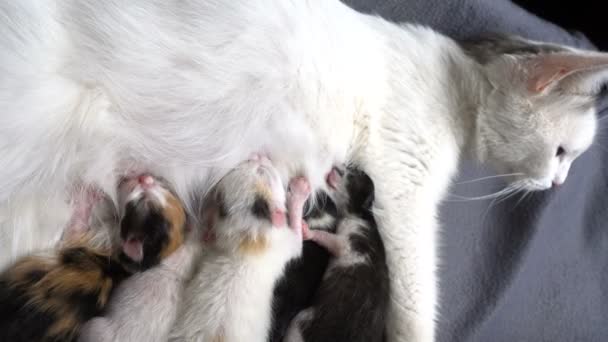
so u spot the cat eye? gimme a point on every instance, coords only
(560, 152)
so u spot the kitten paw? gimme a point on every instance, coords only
(84, 199)
(334, 177)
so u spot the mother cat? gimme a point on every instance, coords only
(90, 90)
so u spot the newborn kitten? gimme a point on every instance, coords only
(352, 302)
(229, 300)
(50, 297)
(294, 291)
(144, 306)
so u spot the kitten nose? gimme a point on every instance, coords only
(557, 183)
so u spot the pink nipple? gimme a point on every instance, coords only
(146, 180)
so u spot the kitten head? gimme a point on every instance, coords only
(539, 113)
(244, 205)
(153, 221)
(352, 191)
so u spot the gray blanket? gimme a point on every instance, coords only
(521, 269)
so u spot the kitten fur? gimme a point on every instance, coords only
(352, 302)
(49, 297)
(144, 306)
(190, 88)
(229, 299)
(295, 290)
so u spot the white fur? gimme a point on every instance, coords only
(144, 307)
(230, 298)
(231, 294)
(294, 332)
(90, 89)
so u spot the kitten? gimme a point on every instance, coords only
(351, 303)
(295, 290)
(229, 299)
(48, 297)
(311, 83)
(143, 307)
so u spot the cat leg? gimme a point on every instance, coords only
(332, 242)
(294, 332)
(408, 228)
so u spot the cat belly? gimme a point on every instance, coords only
(41, 213)
(186, 116)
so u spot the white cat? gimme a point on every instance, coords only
(93, 89)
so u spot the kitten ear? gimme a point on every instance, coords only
(583, 73)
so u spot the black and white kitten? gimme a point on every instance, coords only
(352, 301)
(295, 290)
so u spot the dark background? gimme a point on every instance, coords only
(586, 16)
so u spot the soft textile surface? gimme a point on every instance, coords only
(532, 269)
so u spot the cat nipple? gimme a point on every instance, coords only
(146, 181)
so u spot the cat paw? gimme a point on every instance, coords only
(84, 198)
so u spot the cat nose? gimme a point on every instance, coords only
(557, 183)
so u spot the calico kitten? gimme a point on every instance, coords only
(49, 297)
(351, 303)
(229, 299)
(144, 306)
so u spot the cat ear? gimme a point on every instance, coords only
(583, 73)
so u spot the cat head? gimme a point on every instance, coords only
(539, 113)
(153, 221)
(245, 204)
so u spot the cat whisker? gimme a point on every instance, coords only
(503, 192)
(515, 188)
(490, 177)
(485, 213)
(522, 198)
